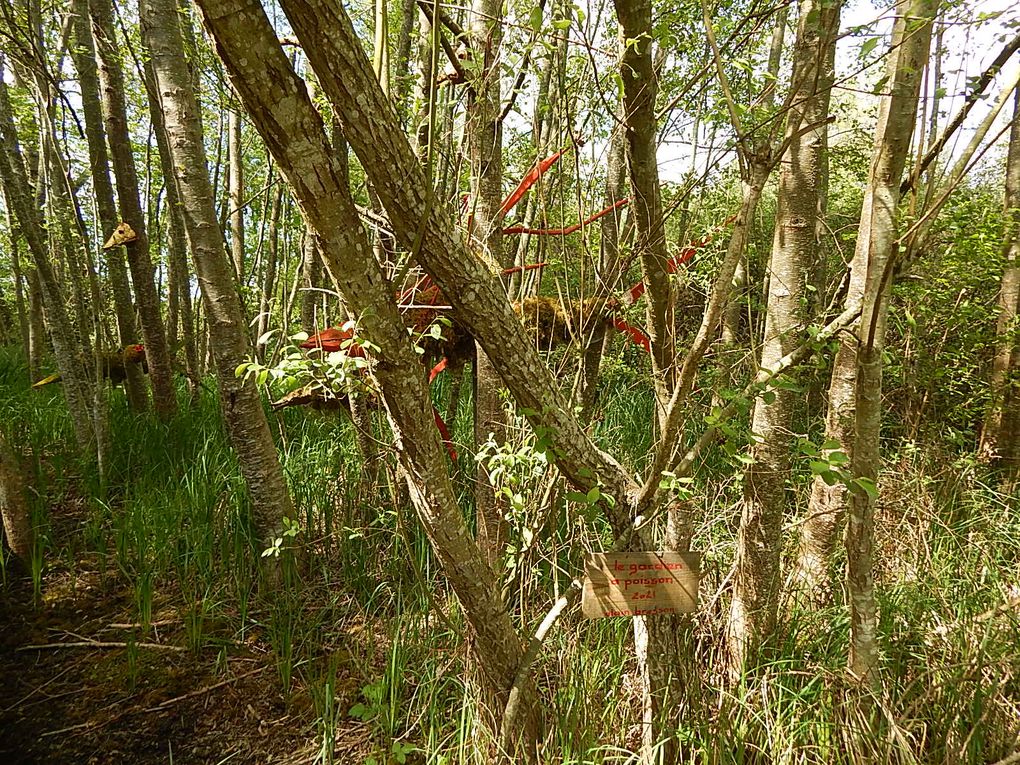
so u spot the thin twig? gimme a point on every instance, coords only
(99, 644)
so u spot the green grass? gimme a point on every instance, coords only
(172, 524)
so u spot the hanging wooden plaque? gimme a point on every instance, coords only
(640, 584)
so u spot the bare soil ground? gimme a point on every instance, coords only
(80, 683)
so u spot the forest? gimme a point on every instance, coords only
(412, 382)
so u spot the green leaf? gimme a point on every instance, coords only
(869, 45)
(819, 466)
(594, 495)
(561, 24)
(535, 20)
(866, 485)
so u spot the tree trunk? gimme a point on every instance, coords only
(14, 505)
(83, 53)
(77, 388)
(178, 275)
(754, 607)
(272, 259)
(1000, 438)
(639, 90)
(276, 100)
(111, 78)
(245, 419)
(484, 134)
(235, 194)
(876, 244)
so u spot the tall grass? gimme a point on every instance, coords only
(373, 639)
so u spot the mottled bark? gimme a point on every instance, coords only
(272, 259)
(876, 247)
(766, 504)
(14, 504)
(21, 302)
(178, 275)
(484, 135)
(639, 90)
(235, 194)
(1000, 438)
(277, 102)
(609, 262)
(245, 419)
(111, 78)
(84, 56)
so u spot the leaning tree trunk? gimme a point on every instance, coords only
(111, 76)
(245, 419)
(754, 607)
(484, 134)
(876, 247)
(83, 53)
(277, 102)
(1000, 438)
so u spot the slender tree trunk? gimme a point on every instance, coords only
(36, 325)
(876, 245)
(245, 419)
(83, 54)
(639, 90)
(277, 102)
(755, 603)
(484, 136)
(178, 274)
(609, 260)
(235, 194)
(111, 77)
(20, 302)
(77, 388)
(272, 259)
(1000, 437)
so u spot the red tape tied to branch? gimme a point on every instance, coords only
(529, 180)
(564, 231)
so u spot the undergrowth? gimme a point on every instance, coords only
(171, 523)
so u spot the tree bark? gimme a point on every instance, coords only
(876, 246)
(178, 275)
(484, 134)
(277, 102)
(639, 90)
(245, 419)
(84, 56)
(14, 505)
(235, 194)
(111, 77)
(766, 504)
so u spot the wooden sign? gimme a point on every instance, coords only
(640, 584)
